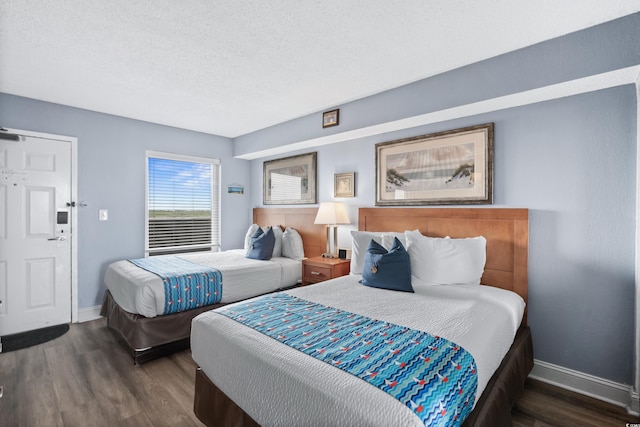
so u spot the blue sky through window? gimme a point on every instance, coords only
(179, 186)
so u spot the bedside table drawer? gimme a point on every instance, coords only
(318, 269)
(316, 273)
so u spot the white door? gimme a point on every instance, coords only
(35, 228)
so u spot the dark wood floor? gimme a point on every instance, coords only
(85, 378)
(545, 405)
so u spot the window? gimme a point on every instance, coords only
(182, 204)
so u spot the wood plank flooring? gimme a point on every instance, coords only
(85, 378)
(545, 405)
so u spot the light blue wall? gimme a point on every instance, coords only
(571, 161)
(111, 175)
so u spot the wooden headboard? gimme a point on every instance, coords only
(314, 236)
(506, 231)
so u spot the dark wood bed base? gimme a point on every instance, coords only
(150, 338)
(507, 234)
(505, 387)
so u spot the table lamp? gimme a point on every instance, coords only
(331, 214)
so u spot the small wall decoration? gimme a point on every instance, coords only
(330, 118)
(290, 180)
(344, 184)
(444, 168)
(235, 189)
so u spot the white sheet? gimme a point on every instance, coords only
(277, 385)
(139, 291)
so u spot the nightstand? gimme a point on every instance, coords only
(318, 269)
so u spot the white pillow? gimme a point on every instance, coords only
(277, 248)
(359, 244)
(247, 238)
(445, 261)
(292, 244)
(387, 239)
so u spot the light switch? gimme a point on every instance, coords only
(103, 215)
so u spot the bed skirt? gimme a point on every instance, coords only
(148, 338)
(493, 408)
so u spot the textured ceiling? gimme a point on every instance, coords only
(230, 67)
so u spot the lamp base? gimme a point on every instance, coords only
(332, 238)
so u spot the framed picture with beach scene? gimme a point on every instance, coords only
(444, 168)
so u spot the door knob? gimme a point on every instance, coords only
(59, 238)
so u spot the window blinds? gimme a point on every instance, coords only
(183, 204)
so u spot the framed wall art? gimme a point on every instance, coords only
(331, 118)
(290, 180)
(235, 189)
(444, 168)
(344, 184)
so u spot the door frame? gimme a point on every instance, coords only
(74, 211)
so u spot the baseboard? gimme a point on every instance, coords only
(88, 314)
(589, 385)
(634, 408)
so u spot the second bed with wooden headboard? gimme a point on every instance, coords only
(130, 302)
(249, 378)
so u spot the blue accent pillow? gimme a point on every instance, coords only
(387, 269)
(261, 244)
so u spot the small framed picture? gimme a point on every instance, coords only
(330, 118)
(344, 185)
(235, 189)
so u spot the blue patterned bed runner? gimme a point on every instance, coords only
(187, 285)
(434, 377)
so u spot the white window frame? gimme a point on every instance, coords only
(215, 204)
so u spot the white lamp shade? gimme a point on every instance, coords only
(331, 213)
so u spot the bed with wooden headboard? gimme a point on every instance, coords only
(147, 338)
(506, 233)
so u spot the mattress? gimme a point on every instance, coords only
(139, 291)
(481, 319)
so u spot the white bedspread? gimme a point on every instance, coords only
(277, 385)
(139, 291)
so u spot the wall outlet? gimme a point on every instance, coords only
(103, 215)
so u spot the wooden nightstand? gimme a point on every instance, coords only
(319, 269)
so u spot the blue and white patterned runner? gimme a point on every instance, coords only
(434, 377)
(187, 285)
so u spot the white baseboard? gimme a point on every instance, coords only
(88, 314)
(589, 385)
(634, 408)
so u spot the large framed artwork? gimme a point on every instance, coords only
(290, 180)
(444, 168)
